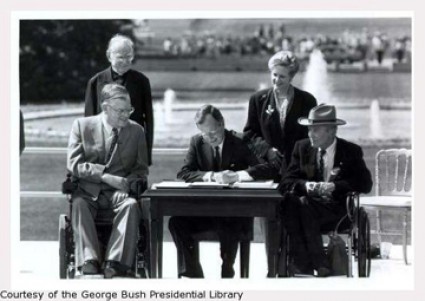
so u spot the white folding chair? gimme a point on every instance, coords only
(393, 180)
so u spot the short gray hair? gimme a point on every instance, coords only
(113, 91)
(285, 59)
(211, 110)
(119, 38)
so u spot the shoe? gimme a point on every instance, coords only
(192, 274)
(323, 272)
(115, 269)
(90, 267)
(294, 270)
(227, 271)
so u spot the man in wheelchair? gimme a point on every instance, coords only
(107, 156)
(323, 169)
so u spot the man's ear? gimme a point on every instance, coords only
(104, 105)
(108, 54)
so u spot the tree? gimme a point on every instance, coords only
(57, 57)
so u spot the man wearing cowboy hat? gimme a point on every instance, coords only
(323, 169)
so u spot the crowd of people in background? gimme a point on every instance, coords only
(348, 47)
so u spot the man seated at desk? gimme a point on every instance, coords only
(323, 169)
(211, 157)
(107, 153)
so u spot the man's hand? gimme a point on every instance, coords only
(119, 183)
(118, 197)
(320, 189)
(230, 177)
(218, 177)
(274, 157)
(326, 188)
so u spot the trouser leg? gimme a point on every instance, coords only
(182, 230)
(292, 222)
(122, 245)
(229, 232)
(313, 215)
(85, 233)
(272, 233)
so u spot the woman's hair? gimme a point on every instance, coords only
(285, 59)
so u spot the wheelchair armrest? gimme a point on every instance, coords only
(352, 204)
(69, 186)
(137, 187)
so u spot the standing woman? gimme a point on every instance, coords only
(272, 125)
(272, 129)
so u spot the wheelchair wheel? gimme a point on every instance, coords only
(62, 247)
(364, 255)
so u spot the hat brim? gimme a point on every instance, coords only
(309, 122)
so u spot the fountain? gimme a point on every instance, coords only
(169, 99)
(375, 120)
(316, 77)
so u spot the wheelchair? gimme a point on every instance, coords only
(67, 267)
(355, 226)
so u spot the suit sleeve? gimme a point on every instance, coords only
(148, 109)
(91, 99)
(357, 177)
(140, 169)
(294, 179)
(191, 171)
(252, 130)
(76, 158)
(257, 170)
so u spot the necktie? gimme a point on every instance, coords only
(217, 159)
(113, 143)
(322, 165)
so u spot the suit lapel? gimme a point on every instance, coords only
(310, 160)
(273, 120)
(226, 154)
(338, 154)
(99, 137)
(208, 155)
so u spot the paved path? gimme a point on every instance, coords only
(43, 264)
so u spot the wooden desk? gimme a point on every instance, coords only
(157, 203)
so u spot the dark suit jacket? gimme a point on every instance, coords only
(87, 154)
(138, 87)
(235, 156)
(264, 129)
(352, 173)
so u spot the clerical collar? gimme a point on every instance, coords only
(116, 76)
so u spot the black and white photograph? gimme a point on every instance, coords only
(252, 147)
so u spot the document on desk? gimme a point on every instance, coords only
(209, 185)
(255, 185)
(170, 184)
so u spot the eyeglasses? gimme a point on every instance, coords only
(126, 58)
(210, 133)
(122, 112)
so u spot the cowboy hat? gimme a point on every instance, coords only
(322, 114)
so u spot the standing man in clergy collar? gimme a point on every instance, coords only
(120, 54)
(322, 170)
(107, 155)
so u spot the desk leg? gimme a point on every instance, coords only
(160, 235)
(152, 233)
(272, 238)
